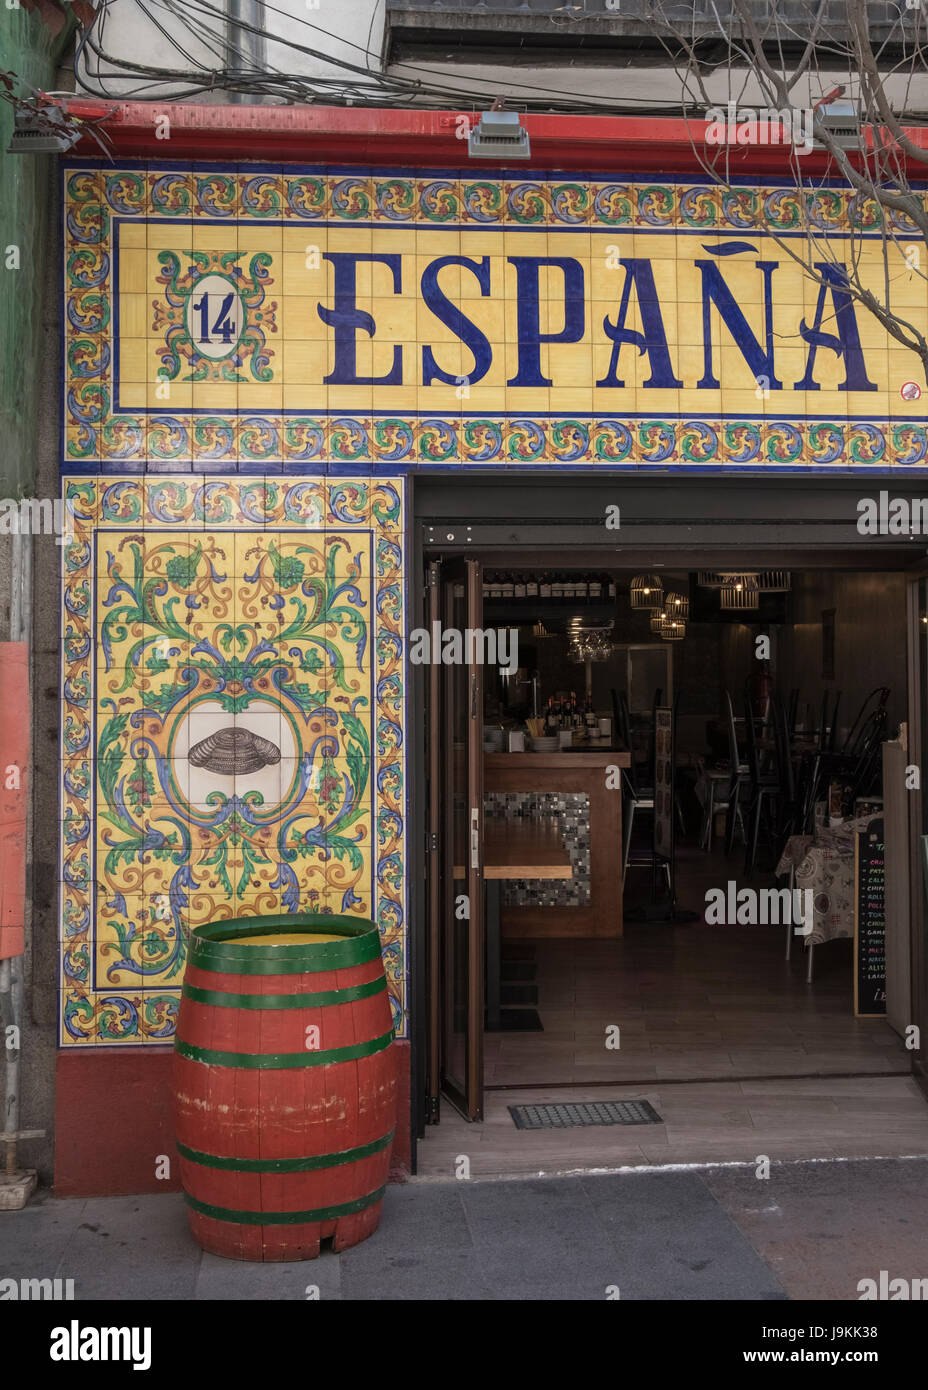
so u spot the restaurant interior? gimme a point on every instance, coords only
(745, 723)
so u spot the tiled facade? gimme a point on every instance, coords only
(253, 359)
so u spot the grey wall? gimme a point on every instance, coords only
(870, 639)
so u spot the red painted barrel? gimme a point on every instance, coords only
(284, 1085)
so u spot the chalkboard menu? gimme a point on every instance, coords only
(869, 922)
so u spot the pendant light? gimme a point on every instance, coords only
(677, 606)
(739, 593)
(647, 592)
(774, 581)
(672, 630)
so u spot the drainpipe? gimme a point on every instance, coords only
(253, 47)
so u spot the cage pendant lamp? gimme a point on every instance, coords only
(672, 630)
(677, 606)
(647, 592)
(774, 581)
(657, 619)
(739, 593)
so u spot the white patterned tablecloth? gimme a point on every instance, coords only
(824, 862)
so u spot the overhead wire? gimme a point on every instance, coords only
(352, 84)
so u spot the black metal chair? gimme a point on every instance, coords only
(861, 730)
(635, 795)
(735, 775)
(789, 809)
(828, 723)
(764, 787)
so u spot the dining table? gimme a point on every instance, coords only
(824, 863)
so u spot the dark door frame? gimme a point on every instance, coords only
(782, 522)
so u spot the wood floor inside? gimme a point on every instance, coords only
(737, 1053)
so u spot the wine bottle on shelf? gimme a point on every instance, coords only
(551, 718)
(518, 590)
(531, 588)
(544, 586)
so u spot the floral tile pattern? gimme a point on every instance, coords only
(233, 727)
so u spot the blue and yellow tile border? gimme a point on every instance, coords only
(97, 437)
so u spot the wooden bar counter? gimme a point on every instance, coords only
(571, 771)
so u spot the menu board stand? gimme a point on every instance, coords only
(870, 922)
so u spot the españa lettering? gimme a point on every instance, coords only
(638, 301)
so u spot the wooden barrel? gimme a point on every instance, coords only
(284, 1085)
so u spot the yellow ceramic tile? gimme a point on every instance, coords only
(133, 271)
(833, 405)
(307, 398)
(169, 395)
(259, 236)
(215, 396)
(352, 400)
(571, 365)
(743, 404)
(264, 397)
(484, 400)
(356, 239)
(299, 319)
(133, 235)
(296, 240)
(133, 396)
(167, 236)
(134, 315)
(214, 236)
(395, 318)
(303, 274)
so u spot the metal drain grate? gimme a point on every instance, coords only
(597, 1112)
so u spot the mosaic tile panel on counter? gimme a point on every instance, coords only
(569, 812)
(233, 727)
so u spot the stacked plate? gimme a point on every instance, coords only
(547, 743)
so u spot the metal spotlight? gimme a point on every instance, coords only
(47, 132)
(498, 135)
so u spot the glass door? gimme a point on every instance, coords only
(456, 903)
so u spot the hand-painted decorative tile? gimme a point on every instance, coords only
(233, 735)
(265, 320)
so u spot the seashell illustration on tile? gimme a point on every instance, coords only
(234, 752)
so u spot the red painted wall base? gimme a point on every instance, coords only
(113, 1121)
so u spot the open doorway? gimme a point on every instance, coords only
(672, 845)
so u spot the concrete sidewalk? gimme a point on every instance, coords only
(814, 1229)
